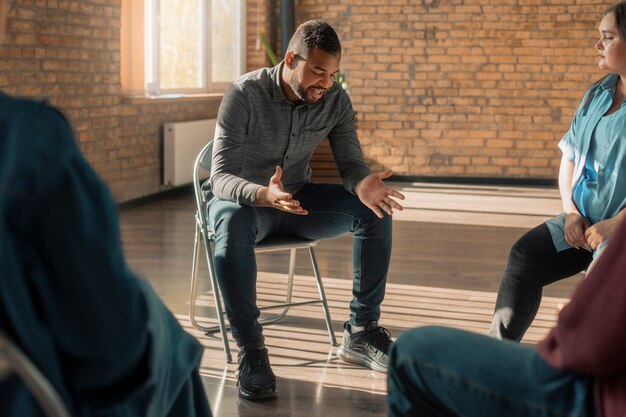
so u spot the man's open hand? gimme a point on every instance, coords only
(373, 192)
(274, 195)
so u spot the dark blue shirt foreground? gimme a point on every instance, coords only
(67, 297)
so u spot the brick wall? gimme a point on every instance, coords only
(68, 51)
(470, 88)
(256, 20)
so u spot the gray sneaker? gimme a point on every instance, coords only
(368, 347)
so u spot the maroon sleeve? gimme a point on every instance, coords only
(590, 337)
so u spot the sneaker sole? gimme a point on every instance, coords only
(248, 395)
(356, 358)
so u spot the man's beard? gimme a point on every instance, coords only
(298, 90)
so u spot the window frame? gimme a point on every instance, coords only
(140, 73)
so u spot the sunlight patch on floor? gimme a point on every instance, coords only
(521, 207)
(299, 345)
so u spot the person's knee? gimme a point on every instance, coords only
(234, 226)
(534, 245)
(422, 343)
(521, 251)
(530, 262)
(523, 256)
(234, 221)
(368, 222)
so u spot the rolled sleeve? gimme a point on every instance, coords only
(567, 145)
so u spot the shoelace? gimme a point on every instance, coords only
(380, 338)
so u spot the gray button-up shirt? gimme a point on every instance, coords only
(258, 128)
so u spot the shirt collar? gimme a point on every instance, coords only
(609, 82)
(277, 90)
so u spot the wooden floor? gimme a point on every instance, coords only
(450, 247)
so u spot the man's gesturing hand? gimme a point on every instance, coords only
(274, 196)
(373, 192)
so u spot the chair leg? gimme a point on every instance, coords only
(194, 284)
(218, 302)
(202, 235)
(292, 267)
(320, 287)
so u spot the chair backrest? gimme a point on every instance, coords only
(203, 163)
(46, 395)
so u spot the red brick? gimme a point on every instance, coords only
(422, 74)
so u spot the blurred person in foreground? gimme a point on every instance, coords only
(101, 336)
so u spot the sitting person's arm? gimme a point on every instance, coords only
(229, 150)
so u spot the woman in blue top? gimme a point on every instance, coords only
(67, 297)
(592, 182)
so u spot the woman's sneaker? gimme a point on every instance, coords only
(368, 347)
(255, 378)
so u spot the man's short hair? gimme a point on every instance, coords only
(314, 34)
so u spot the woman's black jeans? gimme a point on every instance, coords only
(533, 263)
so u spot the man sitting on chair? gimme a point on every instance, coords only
(269, 124)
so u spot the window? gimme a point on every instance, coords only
(181, 46)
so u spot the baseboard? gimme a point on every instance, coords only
(520, 182)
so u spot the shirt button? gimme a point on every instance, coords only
(293, 134)
(606, 144)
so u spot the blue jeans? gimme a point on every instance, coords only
(333, 212)
(437, 372)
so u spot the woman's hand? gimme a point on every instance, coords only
(574, 233)
(600, 232)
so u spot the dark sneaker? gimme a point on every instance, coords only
(368, 347)
(255, 378)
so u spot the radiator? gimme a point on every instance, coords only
(182, 143)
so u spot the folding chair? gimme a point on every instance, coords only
(205, 234)
(13, 359)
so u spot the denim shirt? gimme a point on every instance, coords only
(597, 146)
(258, 128)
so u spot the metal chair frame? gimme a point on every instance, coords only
(205, 234)
(45, 394)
